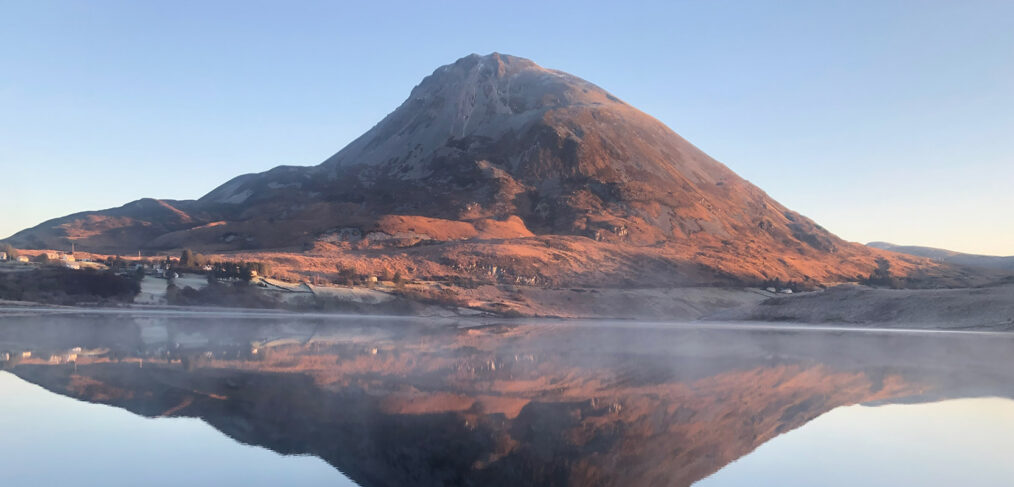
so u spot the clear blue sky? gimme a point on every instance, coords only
(882, 120)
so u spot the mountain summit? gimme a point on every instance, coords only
(496, 164)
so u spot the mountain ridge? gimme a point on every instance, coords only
(950, 256)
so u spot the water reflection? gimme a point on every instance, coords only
(946, 443)
(54, 440)
(403, 402)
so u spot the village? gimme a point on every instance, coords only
(191, 279)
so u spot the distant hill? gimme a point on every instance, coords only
(950, 256)
(496, 168)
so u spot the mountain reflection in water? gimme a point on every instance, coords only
(391, 401)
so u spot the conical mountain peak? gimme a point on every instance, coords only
(495, 148)
(476, 96)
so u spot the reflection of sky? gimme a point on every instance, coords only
(48, 439)
(956, 442)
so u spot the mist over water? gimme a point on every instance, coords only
(404, 401)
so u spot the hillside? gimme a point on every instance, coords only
(950, 256)
(499, 170)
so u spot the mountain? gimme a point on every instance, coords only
(497, 168)
(950, 256)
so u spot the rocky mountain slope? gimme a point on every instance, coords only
(496, 168)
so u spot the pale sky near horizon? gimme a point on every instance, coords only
(881, 120)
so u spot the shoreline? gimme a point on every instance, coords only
(483, 321)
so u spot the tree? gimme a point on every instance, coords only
(11, 252)
(346, 275)
(881, 276)
(261, 268)
(42, 258)
(246, 271)
(187, 258)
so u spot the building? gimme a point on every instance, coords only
(23, 258)
(3, 255)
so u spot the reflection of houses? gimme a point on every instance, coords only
(66, 358)
(28, 356)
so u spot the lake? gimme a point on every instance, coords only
(219, 398)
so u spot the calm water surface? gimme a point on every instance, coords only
(222, 399)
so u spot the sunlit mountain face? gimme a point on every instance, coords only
(411, 402)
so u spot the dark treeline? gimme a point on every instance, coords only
(196, 263)
(191, 262)
(57, 285)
